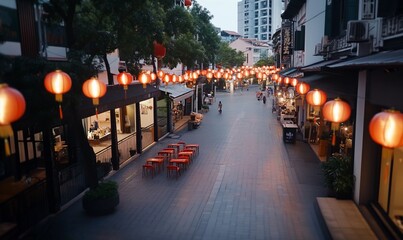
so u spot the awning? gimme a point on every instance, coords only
(335, 85)
(382, 59)
(177, 92)
(292, 9)
(288, 71)
(317, 67)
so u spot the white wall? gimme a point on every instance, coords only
(314, 29)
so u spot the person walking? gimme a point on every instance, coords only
(220, 107)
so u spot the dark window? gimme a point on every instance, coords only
(10, 30)
(300, 39)
(263, 37)
(264, 20)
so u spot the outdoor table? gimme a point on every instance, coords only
(177, 146)
(168, 154)
(159, 162)
(180, 161)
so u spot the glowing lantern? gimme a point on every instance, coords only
(95, 89)
(239, 75)
(58, 82)
(316, 97)
(124, 79)
(386, 128)
(160, 74)
(259, 75)
(144, 78)
(209, 76)
(286, 80)
(174, 78)
(294, 82)
(153, 76)
(167, 79)
(217, 75)
(159, 50)
(302, 88)
(336, 111)
(12, 107)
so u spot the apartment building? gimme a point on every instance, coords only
(259, 19)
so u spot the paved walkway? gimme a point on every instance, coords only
(245, 184)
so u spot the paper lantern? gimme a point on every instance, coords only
(259, 75)
(159, 50)
(95, 89)
(217, 75)
(12, 107)
(124, 79)
(188, 3)
(302, 88)
(336, 111)
(386, 128)
(316, 97)
(145, 78)
(58, 82)
(209, 76)
(294, 82)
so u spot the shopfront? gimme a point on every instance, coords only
(180, 98)
(378, 170)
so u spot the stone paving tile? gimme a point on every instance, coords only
(244, 184)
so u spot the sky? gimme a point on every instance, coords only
(225, 13)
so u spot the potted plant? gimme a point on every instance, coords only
(338, 173)
(103, 168)
(132, 152)
(324, 142)
(102, 199)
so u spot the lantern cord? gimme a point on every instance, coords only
(60, 111)
(334, 138)
(7, 147)
(96, 112)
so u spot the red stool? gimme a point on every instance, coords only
(148, 169)
(172, 169)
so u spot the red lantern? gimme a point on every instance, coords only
(12, 107)
(188, 3)
(95, 89)
(124, 79)
(386, 128)
(58, 82)
(239, 75)
(159, 50)
(294, 82)
(302, 88)
(336, 111)
(145, 78)
(286, 80)
(316, 97)
(167, 78)
(217, 75)
(209, 76)
(259, 75)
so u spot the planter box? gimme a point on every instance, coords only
(101, 206)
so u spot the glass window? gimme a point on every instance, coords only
(263, 4)
(263, 29)
(390, 195)
(263, 37)
(256, 6)
(256, 22)
(264, 20)
(256, 14)
(263, 12)
(256, 30)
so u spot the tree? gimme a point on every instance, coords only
(228, 57)
(268, 61)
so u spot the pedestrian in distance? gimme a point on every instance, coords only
(220, 107)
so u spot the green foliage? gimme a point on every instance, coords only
(228, 57)
(104, 190)
(267, 61)
(338, 173)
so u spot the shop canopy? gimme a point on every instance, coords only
(392, 58)
(177, 92)
(317, 67)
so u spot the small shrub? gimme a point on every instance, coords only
(104, 190)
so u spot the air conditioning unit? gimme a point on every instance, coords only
(357, 31)
(318, 49)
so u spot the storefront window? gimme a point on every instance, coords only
(390, 195)
(162, 117)
(147, 122)
(61, 155)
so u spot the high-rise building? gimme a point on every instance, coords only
(259, 19)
